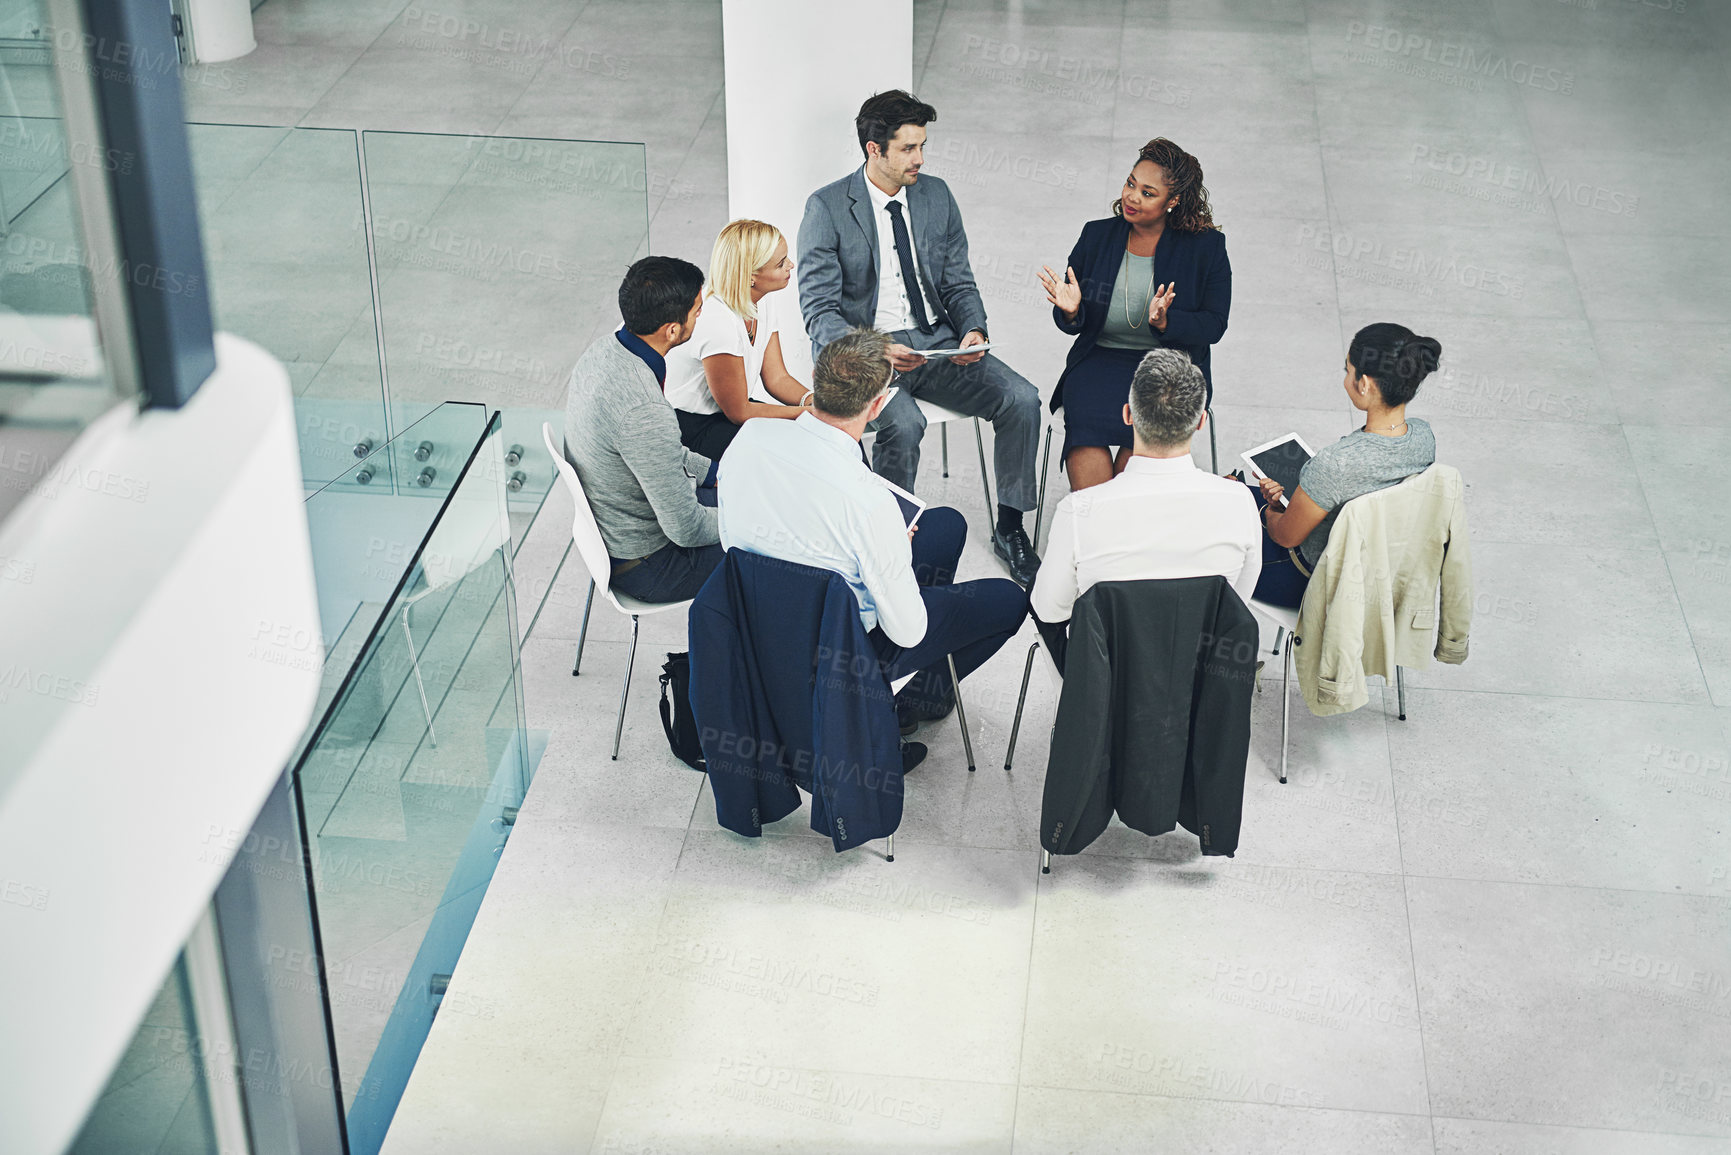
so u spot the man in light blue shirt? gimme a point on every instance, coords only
(800, 491)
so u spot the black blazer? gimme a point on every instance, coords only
(1154, 719)
(1195, 262)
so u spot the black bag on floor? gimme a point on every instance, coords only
(676, 717)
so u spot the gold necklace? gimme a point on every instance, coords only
(1148, 301)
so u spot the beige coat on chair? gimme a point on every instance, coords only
(1372, 603)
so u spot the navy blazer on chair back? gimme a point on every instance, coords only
(1194, 262)
(788, 693)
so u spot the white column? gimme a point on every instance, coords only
(796, 73)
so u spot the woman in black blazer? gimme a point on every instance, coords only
(1152, 274)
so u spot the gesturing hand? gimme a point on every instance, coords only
(1065, 294)
(1158, 306)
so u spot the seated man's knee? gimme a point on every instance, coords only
(946, 522)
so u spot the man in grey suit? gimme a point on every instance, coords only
(868, 238)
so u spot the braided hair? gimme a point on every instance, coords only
(1183, 172)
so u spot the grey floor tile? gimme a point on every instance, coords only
(1562, 791)
(1478, 1137)
(1098, 1122)
(542, 994)
(1226, 981)
(745, 1102)
(1666, 373)
(1626, 636)
(821, 990)
(1589, 1008)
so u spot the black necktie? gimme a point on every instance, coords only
(905, 258)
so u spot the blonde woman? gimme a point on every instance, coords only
(732, 369)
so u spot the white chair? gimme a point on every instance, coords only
(941, 417)
(586, 535)
(1285, 623)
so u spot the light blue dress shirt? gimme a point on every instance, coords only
(798, 490)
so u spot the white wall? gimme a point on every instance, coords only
(796, 73)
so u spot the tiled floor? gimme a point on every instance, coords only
(1501, 926)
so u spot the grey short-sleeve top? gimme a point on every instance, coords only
(1357, 464)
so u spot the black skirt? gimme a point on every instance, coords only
(1096, 390)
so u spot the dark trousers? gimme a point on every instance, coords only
(1282, 583)
(670, 574)
(988, 389)
(969, 621)
(706, 433)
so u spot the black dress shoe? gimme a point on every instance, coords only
(1018, 554)
(913, 753)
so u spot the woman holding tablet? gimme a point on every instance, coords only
(1384, 365)
(732, 368)
(1152, 274)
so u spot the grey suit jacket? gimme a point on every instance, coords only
(838, 258)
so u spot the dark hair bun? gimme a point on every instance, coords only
(1416, 358)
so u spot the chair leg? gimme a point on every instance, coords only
(944, 440)
(1285, 705)
(985, 476)
(1279, 632)
(583, 631)
(1021, 699)
(961, 712)
(1045, 862)
(415, 664)
(890, 848)
(1400, 690)
(1040, 510)
(625, 690)
(1213, 447)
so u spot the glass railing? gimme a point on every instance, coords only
(411, 778)
(286, 253)
(394, 271)
(52, 380)
(158, 1097)
(499, 260)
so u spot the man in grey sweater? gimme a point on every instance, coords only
(623, 439)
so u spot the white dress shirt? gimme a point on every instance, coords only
(1160, 518)
(895, 313)
(798, 490)
(720, 330)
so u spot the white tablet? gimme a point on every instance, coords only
(971, 349)
(911, 506)
(1282, 459)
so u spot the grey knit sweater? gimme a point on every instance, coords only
(623, 440)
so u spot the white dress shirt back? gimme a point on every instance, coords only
(799, 491)
(1160, 518)
(895, 313)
